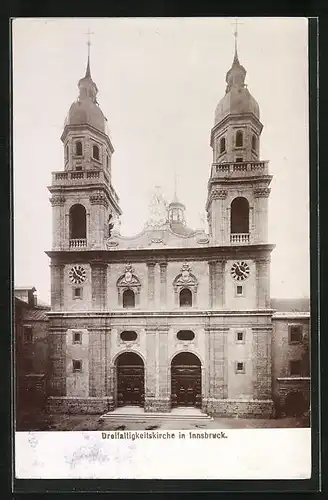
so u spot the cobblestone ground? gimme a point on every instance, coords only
(92, 423)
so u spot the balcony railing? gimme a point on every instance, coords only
(72, 177)
(239, 238)
(78, 243)
(240, 168)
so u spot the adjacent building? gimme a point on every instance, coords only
(31, 353)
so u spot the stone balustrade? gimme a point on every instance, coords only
(239, 238)
(74, 177)
(78, 243)
(240, 168)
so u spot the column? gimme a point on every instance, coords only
(99, 285)
(150, 369)
(163, 284)
(151, 284)
(262, 282)
(57, 286)
(262, 365)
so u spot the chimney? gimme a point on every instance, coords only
(32, 297)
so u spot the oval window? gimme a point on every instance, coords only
(185, 335)
(128, 336)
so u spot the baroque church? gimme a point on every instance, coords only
(172, 316)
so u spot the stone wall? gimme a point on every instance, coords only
(78, 406)
(239, 408)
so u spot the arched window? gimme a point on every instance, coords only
(185, 298)
(77, 222)
(95, 152)
(78, 148)
(254, 142)
(128, 298)
(222, 145)
(239, 139)
(66, 153)
(240, 215)
(107, 162)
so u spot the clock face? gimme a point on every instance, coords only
(240, 271)
(77, 275)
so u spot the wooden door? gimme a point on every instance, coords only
(186, 385)
(130, 385)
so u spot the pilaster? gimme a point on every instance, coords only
(99, 285)
(163, 375)
(163, 284)
(261, 195)
(151, 368)
(262, 364)
(216, 354)
(97, 362)
(57, 286)
(263, 282)
(151, 283)
(217, 283)
(57, 358)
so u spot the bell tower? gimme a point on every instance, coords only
(84, 201)
(238, 188)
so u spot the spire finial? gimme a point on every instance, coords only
(88, 73)
(235, 34)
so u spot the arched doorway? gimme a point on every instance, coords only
(130, 379)
(186, 383)
(296, 404)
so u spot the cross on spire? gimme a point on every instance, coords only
(235, 34)
(88, 44)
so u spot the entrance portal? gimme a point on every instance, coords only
(130, 380)
(186, 387)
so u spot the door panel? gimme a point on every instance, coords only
(186, 385)
(130, 385)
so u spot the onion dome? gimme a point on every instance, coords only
(237, 99)
(86, 111)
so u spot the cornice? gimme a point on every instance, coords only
(157, 255)
(153, 314)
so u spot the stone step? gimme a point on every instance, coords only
(141, 415)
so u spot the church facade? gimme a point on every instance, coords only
(172, 316)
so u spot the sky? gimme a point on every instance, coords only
(159, 82)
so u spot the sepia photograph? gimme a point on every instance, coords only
(161, 238)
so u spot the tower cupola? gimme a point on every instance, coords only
(237, 99)
(176, 211)
(85, 110)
